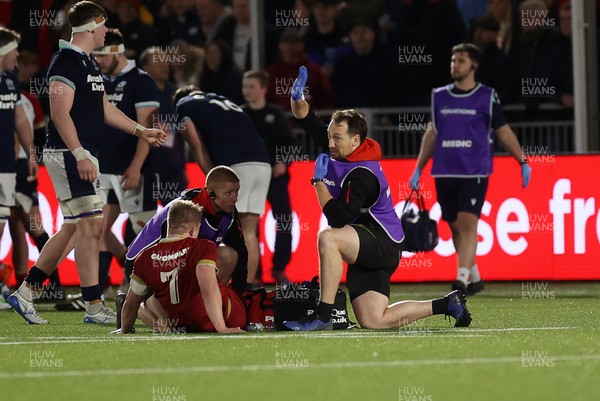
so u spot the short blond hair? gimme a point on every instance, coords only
(184, 212)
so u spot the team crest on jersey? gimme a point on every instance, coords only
(121, 86)
(270, 118)
(10, 84)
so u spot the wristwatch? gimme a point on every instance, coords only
(313, 181)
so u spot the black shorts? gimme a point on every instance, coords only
(460, 195)
(378, 258)
(23, 186)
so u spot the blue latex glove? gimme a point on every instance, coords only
(525, 174)
(321, 165)
(299, 84)
(414, 179)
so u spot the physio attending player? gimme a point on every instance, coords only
(12, 119)
(220, 133)
(220, 224)
(465, 118)
(364, 230)
(124, 188)
(79, 108)
(181, 270)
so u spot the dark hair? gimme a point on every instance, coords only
(226, 55)
(113, 37)
(469, 48)
(356, 122)
(183, 92)
(84, 12)
(261, 75)
(8, 35)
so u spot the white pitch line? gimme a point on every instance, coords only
(328, 365)
(416, 332)
(83, 340)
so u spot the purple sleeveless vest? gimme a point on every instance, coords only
(382, 210)
(463, 146)
(152, 231)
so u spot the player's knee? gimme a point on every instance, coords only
(370, 321)
(227, 257)
(327, 240)
(90, 228)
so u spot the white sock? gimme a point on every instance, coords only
(463, 274)
(92, 309)
(475, 277)
(25, 292)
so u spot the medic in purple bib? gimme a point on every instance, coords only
(466, 116)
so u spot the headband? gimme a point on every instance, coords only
(111, 49)
(7, 48)
(90, 26)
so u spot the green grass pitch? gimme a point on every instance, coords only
(526, 343)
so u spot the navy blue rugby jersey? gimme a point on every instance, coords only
(10, 99)
(71, 66)
(133, 88)
(228, 133)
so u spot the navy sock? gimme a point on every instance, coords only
(40, 241)
(439, 306)
(103, 267)
(324, 311)
(36, 277)
(91, 293)
(55, 279)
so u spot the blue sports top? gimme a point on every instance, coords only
(228, 133)
(130, 90)
(80, 72)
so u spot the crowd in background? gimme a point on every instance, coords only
(358, 53)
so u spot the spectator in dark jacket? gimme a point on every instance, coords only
(182, 23)
(368, 75)
(137, 35)
(283, 72)
(220, 75)
(494, 69)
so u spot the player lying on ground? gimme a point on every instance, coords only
(220, 224)
(181, 270)
(364, 231)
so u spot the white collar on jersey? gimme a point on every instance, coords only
(63, 44)
(130, 66)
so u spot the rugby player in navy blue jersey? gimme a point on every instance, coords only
(78, 109)
(465, 118)
(124, 188)
(12, 119)
(364, 230)
(220, 133)
(168, 161)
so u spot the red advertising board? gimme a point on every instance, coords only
(548, 231)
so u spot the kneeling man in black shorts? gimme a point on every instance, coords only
(364, 231)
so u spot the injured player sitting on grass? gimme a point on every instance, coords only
(182, 272)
